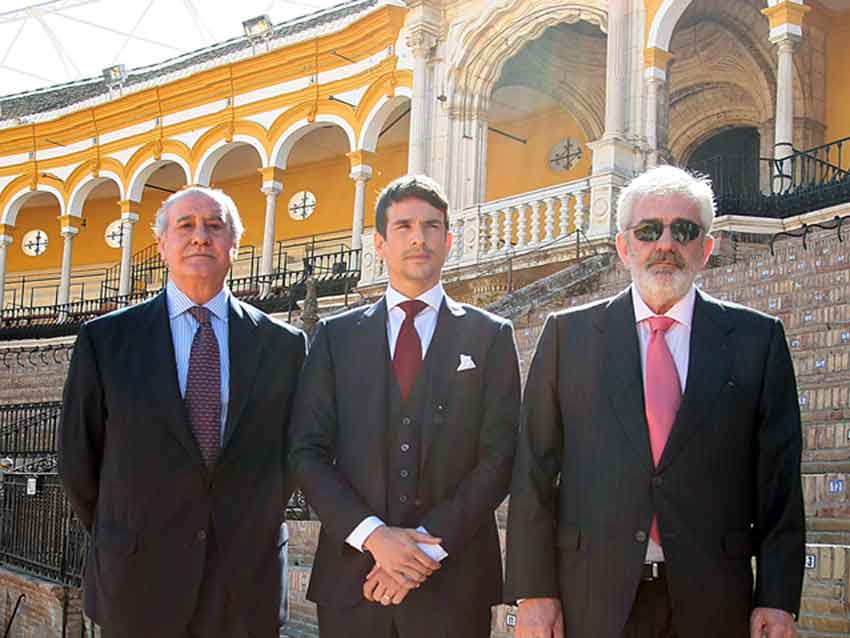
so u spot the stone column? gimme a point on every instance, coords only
(613, 156)
(616, 70)
(786, 20)
(655, 78)
(128, 221)
(5, 241)
(361, 172)
(421, 43)
(68, 231)
(272, 188)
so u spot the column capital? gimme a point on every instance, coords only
(129, 206)
(656, 63)
(421, 39)
(129, 218)
(69, 225)
(360, 158)
(7, 234)
(272, 179)
(786, 20)
(361, 173)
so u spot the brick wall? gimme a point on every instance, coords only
(46, 611)
(35, 371)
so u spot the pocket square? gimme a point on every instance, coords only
(466, 363)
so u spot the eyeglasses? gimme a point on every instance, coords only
(682, 230)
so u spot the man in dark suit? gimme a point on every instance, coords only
(659, 450)
(172, 444)
(403, 437)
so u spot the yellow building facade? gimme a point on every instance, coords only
(532, 113)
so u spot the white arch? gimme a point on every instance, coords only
(143, 173)
(218, 150)
(378, 116)
(284, 144)
(10, 214)
(85, 187)
(664, 22)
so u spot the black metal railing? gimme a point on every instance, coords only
(803, 181)
(39, 533)
(28, 431)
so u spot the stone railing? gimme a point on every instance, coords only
(515, 225)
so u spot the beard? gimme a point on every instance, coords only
(667, 285)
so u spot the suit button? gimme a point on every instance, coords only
(405, 420)
(418, 502)
(405, 447)
(402, 499)
(201, 536)
(404, 474)
(640, 536)
(440, 407)
(657, 481)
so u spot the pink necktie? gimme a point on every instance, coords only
(662, 392)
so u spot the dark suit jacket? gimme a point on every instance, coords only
(339, 446)
(135, 478)
(727, 487)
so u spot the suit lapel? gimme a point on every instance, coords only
(244, 352)
(441, 360)
(709, 366)
(622, 372)
(161, 374)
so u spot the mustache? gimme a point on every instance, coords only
(660, 257)
(417, 251)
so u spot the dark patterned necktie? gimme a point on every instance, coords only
(407, 358)
(203, 388)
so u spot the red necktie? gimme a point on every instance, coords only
(203, 387)
(407, 358)
(662, 393)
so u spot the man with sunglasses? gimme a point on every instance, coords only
(659, 450)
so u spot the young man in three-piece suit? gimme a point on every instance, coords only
(172, 444)
(403, 440)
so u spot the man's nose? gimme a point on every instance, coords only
(417, 235)
(200, 234)
(665, 242)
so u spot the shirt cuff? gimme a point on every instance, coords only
(435, 552)
(357, 537)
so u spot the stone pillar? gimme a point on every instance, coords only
(421, 43)
(655, 77)
(616, 70)
(786, 20)
(272, 188)
(128, 220)
(361, 172)
(613, 156)
(68, 231)
(5, 241)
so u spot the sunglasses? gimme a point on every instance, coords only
(682, 230)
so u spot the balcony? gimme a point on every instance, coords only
(32, 311)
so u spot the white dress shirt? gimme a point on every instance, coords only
(425, 323)
(678, 339)
(183, 329)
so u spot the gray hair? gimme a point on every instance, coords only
(667, 180)
(224, 202)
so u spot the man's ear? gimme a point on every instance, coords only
(379, 243)
(623, 248)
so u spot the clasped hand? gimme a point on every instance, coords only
(400, 565)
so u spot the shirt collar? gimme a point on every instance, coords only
(682, 311)
(432, 297)
(178, 302)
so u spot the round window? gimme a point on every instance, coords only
(302, 205)
(34, 243)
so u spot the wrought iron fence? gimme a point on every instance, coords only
(39, 533)
(28, 431)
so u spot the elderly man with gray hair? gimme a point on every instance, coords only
(659, 450)
(172, 444)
